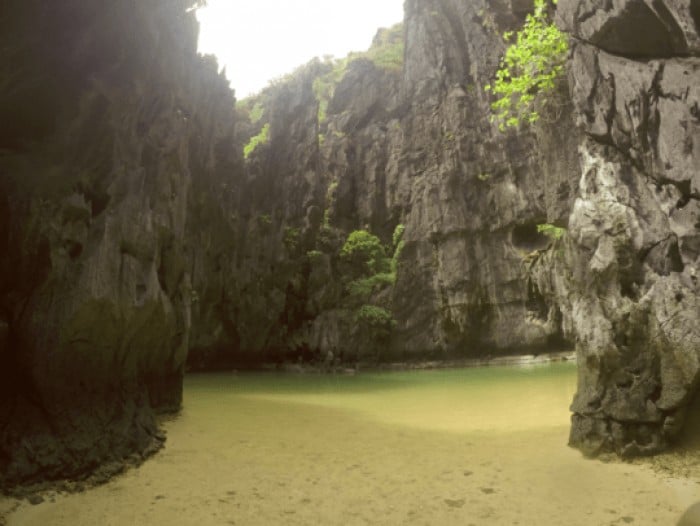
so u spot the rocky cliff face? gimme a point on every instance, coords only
(112, 127)
(629, 278)
(414, 145)
(398, 143)
(132, 231)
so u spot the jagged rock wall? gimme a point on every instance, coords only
(472, 194)
(628, 279)
(411, 145)
(130, 232)
(112, 129)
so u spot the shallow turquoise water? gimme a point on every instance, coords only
(506, 398)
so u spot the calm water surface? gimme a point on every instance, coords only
(468, 446)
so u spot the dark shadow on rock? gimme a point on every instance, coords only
(691, 517)
(689, 438)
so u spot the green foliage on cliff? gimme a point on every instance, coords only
(386, 52)
(256, 112)
(530, 67)
(364, 251)
(291, 238)
(398, 234)
(365, 287)
(251, 108)
(374, 272)
(324, 86)
(314, 255)
(387, 49)
(552, 232)
(257, 140)
(377, 319)
(264, 220)
(398, 242)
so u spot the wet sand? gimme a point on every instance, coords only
(486, 447)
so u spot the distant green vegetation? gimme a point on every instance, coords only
(386, 52)
(251, 107)
(257, 140)
(265, 220)
(371, 271)
(377, 319)
(256, 112)
(530, 67)
(398, 242)
(314, 255)
(365, 253)
(365, 287)
(324, 86)
(291, 238)
(370, 266)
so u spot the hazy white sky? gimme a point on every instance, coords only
(258, 40)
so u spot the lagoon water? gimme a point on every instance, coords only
(481, 446)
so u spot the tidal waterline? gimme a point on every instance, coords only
(464, 446)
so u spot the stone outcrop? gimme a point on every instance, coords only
(112, 128)
(628, 281)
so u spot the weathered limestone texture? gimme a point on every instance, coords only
(633, 253)
(133, 233)
(410, 144)
(105, 107)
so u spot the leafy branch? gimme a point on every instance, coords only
(531, 66)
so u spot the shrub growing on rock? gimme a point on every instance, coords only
(530, 67)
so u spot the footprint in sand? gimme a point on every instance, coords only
(457, 503)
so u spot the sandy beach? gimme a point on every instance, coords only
(245, 452)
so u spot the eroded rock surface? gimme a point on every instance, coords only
(105, 110)
(629, 279)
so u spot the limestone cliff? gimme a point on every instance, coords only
(132, 231)
(628, 280)
(414, 145)
(112, 128)
(390, 142)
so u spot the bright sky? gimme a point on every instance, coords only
(258, 40)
